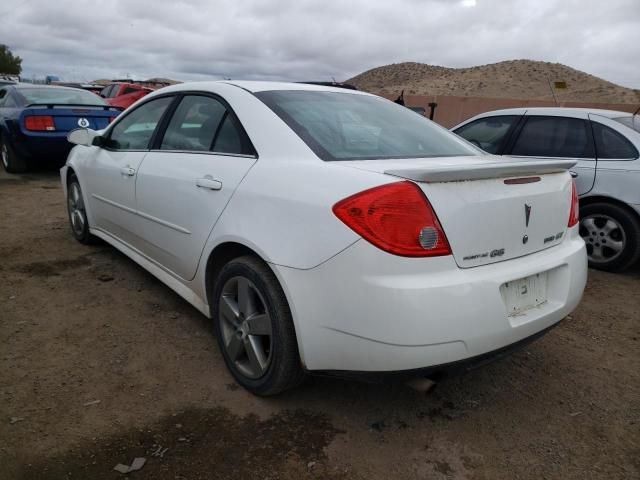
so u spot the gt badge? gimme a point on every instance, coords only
(83, 122)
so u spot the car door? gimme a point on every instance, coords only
(110, 174)
(618, 173)
(556, 136)
(188, 178)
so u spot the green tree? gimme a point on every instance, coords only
(8, 62)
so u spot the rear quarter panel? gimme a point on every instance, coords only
(618, 179)
(283, 211)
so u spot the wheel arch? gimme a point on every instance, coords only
(591, 199)
(219, 257)
(69, 173)
(71, 170)
(227, 251)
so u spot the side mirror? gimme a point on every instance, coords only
(82, 136)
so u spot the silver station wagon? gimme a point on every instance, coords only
(604, 143)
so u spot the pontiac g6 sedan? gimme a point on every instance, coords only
(326, 230)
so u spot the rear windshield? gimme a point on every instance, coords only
(346, 126)
(631, 122)
(60, 96)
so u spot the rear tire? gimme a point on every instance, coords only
(77, 213)
(11, 161)
(612, 235)
(254, 327)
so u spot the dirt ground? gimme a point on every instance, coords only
(101, 363)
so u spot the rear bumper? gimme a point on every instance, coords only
(367, 311)
(43, 147)
(437, 371)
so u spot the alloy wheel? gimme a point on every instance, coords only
(245, 326)
(5, 155)
(76, 209)
(604, 236)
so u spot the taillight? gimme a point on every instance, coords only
(39, 123)
(396, 218)
(574, 213)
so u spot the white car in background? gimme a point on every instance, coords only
(330, 230)
(605, 145)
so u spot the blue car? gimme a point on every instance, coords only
(35, 121)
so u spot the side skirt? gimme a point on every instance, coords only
(155, 270)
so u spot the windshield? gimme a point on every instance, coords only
(631, 122)
(60, 96)
(346, 126)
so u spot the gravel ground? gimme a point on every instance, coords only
(100, 363)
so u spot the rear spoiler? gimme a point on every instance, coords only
(508, 168)
(74, 105)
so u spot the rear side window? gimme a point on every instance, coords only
(9, 101)
(106, 91)
(135, 130)
(611, 144)
(194, 124)
(230, 138)
(554, 137)
(201, 124)
(129, 90)
(488, 133)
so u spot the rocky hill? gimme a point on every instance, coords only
(526, 79)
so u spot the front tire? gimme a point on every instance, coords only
(254, 328)
(11, 161)
(612, 235)
(77, 213)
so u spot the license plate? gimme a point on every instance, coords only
(525, 293)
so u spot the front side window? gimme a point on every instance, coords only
(488, 133)
(135, 130)
(346, 126)
(611, 144)
(554, 137)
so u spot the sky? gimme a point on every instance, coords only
(82, 40)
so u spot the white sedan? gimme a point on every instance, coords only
(326, 230)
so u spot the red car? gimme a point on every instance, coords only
(123, 94)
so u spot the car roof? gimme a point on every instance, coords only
(262, 86)
(555, 111)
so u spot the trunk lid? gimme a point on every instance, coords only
(491, 208)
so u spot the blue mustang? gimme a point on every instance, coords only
(35, 121)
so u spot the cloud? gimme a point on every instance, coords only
(305, 39)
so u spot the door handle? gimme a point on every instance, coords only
(573, 174)
(128, 171)
(209, 182)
